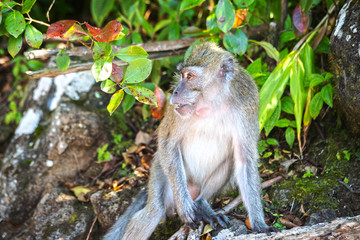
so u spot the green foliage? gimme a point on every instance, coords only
(33, 36)
(13, 115)
(63, 60)
(103, 154)
(225, 15)
(100, 9)
(236, 43)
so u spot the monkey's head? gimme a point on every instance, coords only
(203, 77)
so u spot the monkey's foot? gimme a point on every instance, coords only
(181, 234)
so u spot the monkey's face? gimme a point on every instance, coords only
(188, 91)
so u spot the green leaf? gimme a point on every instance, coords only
(34, 64)
(108, 86)
(144, 23)
(128, 102)
(143, 95)
(298, 93)
(137, 71)
(272, 141)
(269, 49)
(305, 5)
(290, 136)
(287, 36)
(243, 3)
(316, 105)
(63, 60)
(315, 79)
(100, 9)
(327, 76)
(101, 49)
(287, 105)
(270, 123)
(33, 36)
(327, 94)
(14, 45)
(27, 5)
(273, 89)
(102, 68)
(236, 43)
(211, 22)
(225, 15)
(115, 101)
(15, 23)
(307, 57)
(267, 154)
(162, 24)
(283, 123)
(187, 4)
(130, 53)
(255, 67)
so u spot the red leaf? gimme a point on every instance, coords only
(110, 32)
(59, 28)
(94, 31)
(117, 73)
(300, 19)
(74, 32)
(158, 112)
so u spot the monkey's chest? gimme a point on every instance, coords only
(205, 154)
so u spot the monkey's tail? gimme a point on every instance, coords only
(117, 230)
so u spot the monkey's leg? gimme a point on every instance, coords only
(207, 214)
(144, 222)
(117, 230)
(248, 179)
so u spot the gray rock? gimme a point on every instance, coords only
(324, 215)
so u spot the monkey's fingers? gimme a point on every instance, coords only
(222, 220)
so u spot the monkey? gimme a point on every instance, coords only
(207, 139)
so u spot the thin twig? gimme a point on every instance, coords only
(92, 227)
(349, 188)
(36, 21)
(48, 11)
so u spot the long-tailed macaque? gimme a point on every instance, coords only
(207, 139)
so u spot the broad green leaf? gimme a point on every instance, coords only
(34, 64)
(15, 23)
(101, 49)
(290, 136)
(270, 123)
(136, 38)
(255, 67)
(211, 22)
(307, 57)
(269, 49)
(243, 3)
(137, 71)
(316, 105)
(156, 72)
(298, 93)
(143, 95)
(283, 123)
(287, 36)
(115, 101)
(27, 5)
(287, 105)
(14, 45)
(267, 154)
(327, 94)
(236, 43)
(130, 53)
(273, 89)
(102, 68)
(272, 141)
(187, 4)
(100, 9)
(108, 86)
(315, 79)
(174, 32)
(225, 15)
(327, 76)
(62, 60)
(33, 36)
(128, 102)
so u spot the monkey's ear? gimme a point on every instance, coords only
(179, 66)
(226, 70)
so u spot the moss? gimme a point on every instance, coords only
(166, 229)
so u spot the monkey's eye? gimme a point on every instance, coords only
(189, 75)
